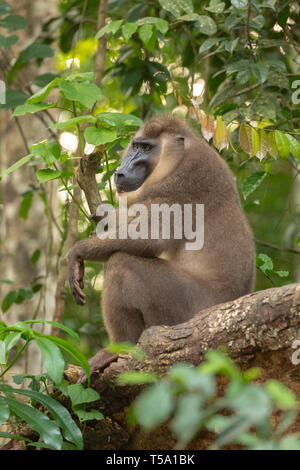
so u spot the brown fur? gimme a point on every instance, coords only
(152, 282)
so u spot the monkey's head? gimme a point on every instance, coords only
(153, 142)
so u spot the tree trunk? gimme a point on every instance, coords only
(256, 330)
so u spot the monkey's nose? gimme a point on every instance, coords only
(118, 176)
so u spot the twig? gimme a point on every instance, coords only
(278, 247)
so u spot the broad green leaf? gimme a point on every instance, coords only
(2, 352)
(148, 36)
(260, 71)
(61, 415)
(126, 348)
(241, 4)
(120, 119)
(218, 363)
(128, 30)
(283, 396)
(11, 340)
(13, 22)
(14, 98)
(208, 43)
(4, 8)
(25, 205)
(99, 136)
(7, 41)
(77, 356)
(221, 135)
(45, 78)
(32, 108)
(283, 144)
(171, 6)
(206, 25)
(187, 418)
(252, 403)
(44, 92)
(192, 379)
(110, 28)
(242, 77)
(36, 51)
(8, 300)
(78, 394)
(252, 183)
(47, 174)
(154, 406)
(64, 328)
(273, 151)
(4, 410)
(85, 93)
(216, 7)
(294, 146)
(238, 66)
(84, 415)
(186, 5)
(254, 142)
(263, 144)
(160, 24)
(52, 358)
(190, 17)
(48, 430)
(48, 151)
(264, 263)
(136, 377)
(76, 120)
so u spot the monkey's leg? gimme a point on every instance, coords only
(141, 292)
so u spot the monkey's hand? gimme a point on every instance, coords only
(76, 273)
(98, 363)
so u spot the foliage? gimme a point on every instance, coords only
(188, 399)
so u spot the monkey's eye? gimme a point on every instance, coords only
(135, 146)
(146, 147)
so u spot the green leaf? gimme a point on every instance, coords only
(7, 41)
(99, 136)
(64, 328)
(187, 419)
(14, 98)
(84, 415)
(78, 394)
(36, 51)
(120, 120)
(252, 183)
(294, 146)
(148, 36)
(8, 300)
(253, 403)
(206, 25)
(126, 348)
(110, 28)
(264, 263)
(283, 144)
(52, 358)
(25, 205)
(13, 22)
(283, 396)
(242, 77)
(44, 92)
(193, 379)
(77, 356)
(186, 5)
(128, 30)
(11, 340)
(208, 43)
(160, 24)
(85, 93)
(48, 430)
(48, 151)
(154, 406)
(171, 6)
(32, 108)
(241, 4)
(260, 71)
(4, 8)
(4, 410)
(2, 352)
(136, 377)
(47, 174)
(61, 415)
(43, 79)
(72, 122)
(216, 8)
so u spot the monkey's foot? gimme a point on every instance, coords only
(98, 363)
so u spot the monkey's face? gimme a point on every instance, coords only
(137, 165)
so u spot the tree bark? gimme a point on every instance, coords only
(255, 330)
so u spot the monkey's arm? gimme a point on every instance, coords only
(95, 249)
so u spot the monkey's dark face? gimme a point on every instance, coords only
(138, 164)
